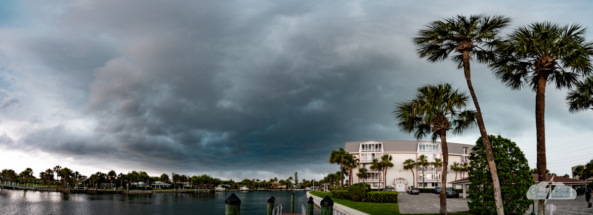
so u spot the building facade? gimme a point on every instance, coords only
(401, 150)
(574, 169)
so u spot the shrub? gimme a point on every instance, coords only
(382, 196)
(340, 194)
(513, 173)
(358, 191)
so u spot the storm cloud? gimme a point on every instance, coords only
(241, 88)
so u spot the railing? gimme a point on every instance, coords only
(277, 210)
(429, 179)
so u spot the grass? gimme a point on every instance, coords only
(372, 208)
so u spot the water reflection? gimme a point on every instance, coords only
(31, 202)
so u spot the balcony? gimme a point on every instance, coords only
(429, 179)
(368, 157)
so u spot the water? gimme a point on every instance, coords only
(30, 202)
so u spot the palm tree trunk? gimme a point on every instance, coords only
(444, 173)
(413, 177)
(485, 140)
(540, 108)
(342, 176)
(423, 184)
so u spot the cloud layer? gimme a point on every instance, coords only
(235, 88)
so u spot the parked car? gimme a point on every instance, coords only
(437, 190)
(414, 191)
(451, 192)
(389, 189)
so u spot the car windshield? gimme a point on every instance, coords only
(450, 189)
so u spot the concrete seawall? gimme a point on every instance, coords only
(337, 207)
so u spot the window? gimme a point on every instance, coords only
(464, 150)
(434, 184)
(464, 159)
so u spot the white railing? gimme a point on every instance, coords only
(304, 210)
(277, 210)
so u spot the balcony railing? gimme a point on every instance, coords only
(371, 150)
(433, 179)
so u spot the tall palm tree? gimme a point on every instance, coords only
(422, 162)
(470, 38)
(57, 169)
(386, 163)
(455, 167)
(536, 55)
(581, 98)
(338, 157)
(362, 173)
(437, 165)
(410, 164)
(351, 162)
(377, 166)
(464, 168)
(435, 110)
(111, 175)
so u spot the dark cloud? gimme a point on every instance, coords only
(234, 88)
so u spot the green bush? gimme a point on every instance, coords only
(340, 194)
(358, 191)
(382, 196)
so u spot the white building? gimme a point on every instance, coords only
(402, 150)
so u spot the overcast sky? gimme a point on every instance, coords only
(244, 89)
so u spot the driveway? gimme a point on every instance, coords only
(576, 206)
(428, 203)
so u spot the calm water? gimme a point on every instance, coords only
(29, 202)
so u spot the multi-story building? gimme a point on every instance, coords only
(402, 150)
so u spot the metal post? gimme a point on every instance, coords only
(271, 203)
(232, 205)
(310, 206)
(292, 203)
(327, 206)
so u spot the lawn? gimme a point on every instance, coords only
(371, 208)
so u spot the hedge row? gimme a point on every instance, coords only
(374, 196)
(340, 194)
(382, 196)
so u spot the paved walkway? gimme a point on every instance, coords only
(428, 203)
(564, 207)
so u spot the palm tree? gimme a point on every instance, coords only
(464, 168)
(350, 163)
(57, 169)
(112, 176)
(386, 163)
(535, 55)
(436, 109)
(437, 165)
(422, 162)
(362, 173)
(581, 98)
(377, 166)
(410, 164)
(338, 157)
(471, 38)
(455, 167)
(579, 172)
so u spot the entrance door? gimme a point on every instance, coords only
(400, 187)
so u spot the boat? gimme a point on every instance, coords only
(205, 190)
(307, 189)
(220, 188)
(244, 188)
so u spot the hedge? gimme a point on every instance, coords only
(340, 194)
(382, 196)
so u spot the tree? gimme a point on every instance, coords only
(581, 98)
(57, 169)
(350, 163)
(579, 172)
(438, 164)
(422, 162)
(164, 177)
(112, 176)
(362, 173)
(471, 38)
(410, 164)
(514, 182)
(455, 167)
(385, 164)
(338, 157)
(376, 166)
(436, 109)
(539, 54)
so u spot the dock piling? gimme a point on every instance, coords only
(310, 206)
(327, 206)
(292, 203)
(271, 203)
(232, 205)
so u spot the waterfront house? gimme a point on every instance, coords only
(160, 185)
(402, 150)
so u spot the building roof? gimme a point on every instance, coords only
(535, 179)
(559, 179)
(406, 146)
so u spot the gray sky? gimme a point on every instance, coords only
(244, 89)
